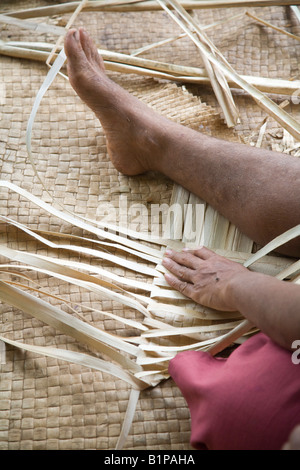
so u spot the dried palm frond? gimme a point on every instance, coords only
(296, 11)
(219, 74)
(125, 63)
(269, 25)
(60, 40)
(183, 35)
(138, 5)
(35, 27)
(216, 76)
(215, 57)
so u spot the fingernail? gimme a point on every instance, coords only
(168, 252)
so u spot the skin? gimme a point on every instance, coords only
(293, 442)
(219, 283)
(235, 179)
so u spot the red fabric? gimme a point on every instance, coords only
(249, 401)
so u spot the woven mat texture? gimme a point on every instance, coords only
(50, 404)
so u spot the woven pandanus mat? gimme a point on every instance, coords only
(47, 403)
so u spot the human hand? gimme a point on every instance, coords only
(293, 442)
(203, 276)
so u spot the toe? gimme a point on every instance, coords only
(90, 48)
(78, 64)
(86, 43)
(75, 54)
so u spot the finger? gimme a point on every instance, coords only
(184, 258)
(203, 253)
(294, 439)
(181, 272)
(181, 286)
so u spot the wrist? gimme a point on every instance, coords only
(238, 287)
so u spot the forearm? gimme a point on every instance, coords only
(272, 305)
(209, 279)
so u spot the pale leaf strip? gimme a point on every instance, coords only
(269, 25)
(147, 5)
(82, 359)
(274, 244)
(38, 289)
(78, 222)
(35, 27)
(59, 62)
(131, 407)
(141, 268)
(190, 330)
(70, 275)
(216, 77)
(38, 51)
(282, 117)
(67, 324)
(71, 20)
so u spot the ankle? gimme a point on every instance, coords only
(161, 146)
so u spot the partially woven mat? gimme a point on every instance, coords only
(50, 404)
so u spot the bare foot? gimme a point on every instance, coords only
(134, 133)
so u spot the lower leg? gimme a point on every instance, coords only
(256, 189)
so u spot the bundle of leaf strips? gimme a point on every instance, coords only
(141, 361)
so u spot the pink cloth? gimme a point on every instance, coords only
(249, 401)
